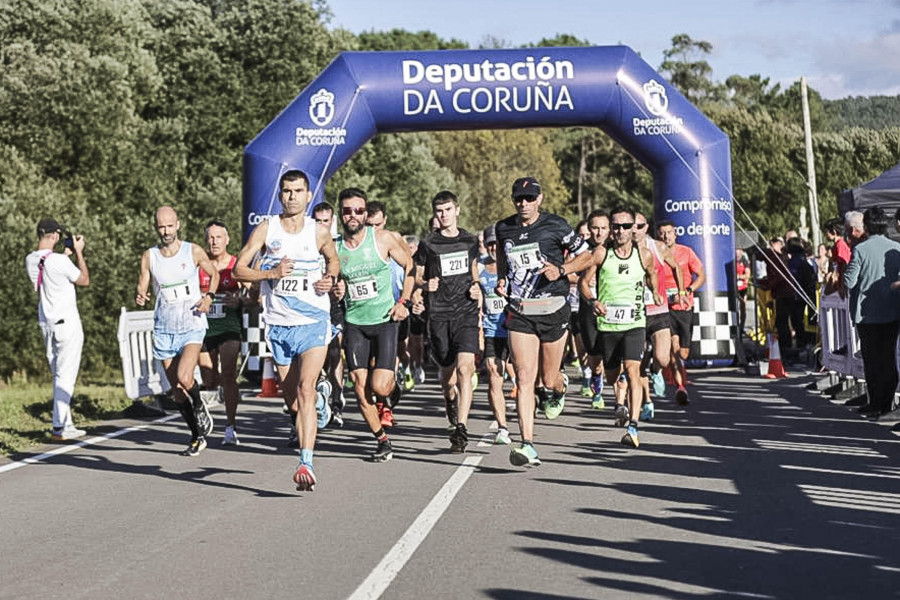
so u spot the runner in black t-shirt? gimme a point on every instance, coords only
(532, 269)
(447, 260)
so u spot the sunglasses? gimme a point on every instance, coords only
(353, 210)
(640, 225)
(622, 226)
(518, 199)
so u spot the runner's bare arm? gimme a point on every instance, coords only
(201, 259)
(244, 272)
(143, 280)
(332, 263)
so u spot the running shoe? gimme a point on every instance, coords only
(555, 405)
(393, 398)
(524, 456)
(231, 438)
(681, 396)
(514, 392)
(387, 417)
(565, 378)
(541, 405)
(409, 381)
(452, 407)
(69, 432)
(621, 415)
(597, 402)
(658, 381)
(384, 452)
(323, 407)
(419, 376)
(648, 412)
(337, 417)
(631, 436)
(196, 446)
(305, 478)
(502, 437)
(459, 438)
(204, 419)
(586, 390)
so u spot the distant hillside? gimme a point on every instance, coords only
(873, 112)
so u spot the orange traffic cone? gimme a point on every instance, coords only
(269, 381)
(776, 367)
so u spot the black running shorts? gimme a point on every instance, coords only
(449, 338)
(496, 347)
(362, 342)
(682, 324)
(548, 328)
(657, 323)
(622, 345)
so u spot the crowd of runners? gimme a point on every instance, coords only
(375, 306)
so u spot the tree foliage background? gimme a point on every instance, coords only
(111, 108)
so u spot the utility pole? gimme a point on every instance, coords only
(810, 169)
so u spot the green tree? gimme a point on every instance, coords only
(688, 71)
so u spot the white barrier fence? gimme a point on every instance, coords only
(144, 375)
(840, 341)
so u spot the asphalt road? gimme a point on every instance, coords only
(758, 489)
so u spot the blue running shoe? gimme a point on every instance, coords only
(658, 381)
(323, 406)
(524, 456)
(631, 436)
(647, 412)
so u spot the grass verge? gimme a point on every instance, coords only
(26, 411)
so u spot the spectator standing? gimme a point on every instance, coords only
(872, 280)
(54, 278)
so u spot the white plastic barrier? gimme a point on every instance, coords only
(143, 374)
(840, 341)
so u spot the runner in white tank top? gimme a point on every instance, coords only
(179, 320)
(296, 308)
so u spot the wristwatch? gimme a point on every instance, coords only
(562, 270)
(406, 303)
(689, 290)
(211, 295)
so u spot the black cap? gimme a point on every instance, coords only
(490, 234)
(46, 226)
(526, 186)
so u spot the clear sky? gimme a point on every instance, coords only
(844, 48)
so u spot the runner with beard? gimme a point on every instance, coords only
(372, 316)
(532, 274)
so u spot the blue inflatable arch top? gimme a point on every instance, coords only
(361, 94)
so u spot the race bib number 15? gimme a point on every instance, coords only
(527, 256)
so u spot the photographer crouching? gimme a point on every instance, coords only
(54, 278)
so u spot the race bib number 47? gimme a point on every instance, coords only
(620, 314)
(455, 263)
(527, 256)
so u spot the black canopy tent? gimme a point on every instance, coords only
(883, 191)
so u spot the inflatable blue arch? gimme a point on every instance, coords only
(361, 94)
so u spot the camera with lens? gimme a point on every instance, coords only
(68, 239)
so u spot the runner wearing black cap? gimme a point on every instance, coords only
(532, 270)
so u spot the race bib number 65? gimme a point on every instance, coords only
(362, 289)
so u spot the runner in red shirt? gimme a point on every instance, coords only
(681, 304)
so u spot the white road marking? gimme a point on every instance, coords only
(383, 574)
(88, 442)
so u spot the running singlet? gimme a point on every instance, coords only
(177, 289)
(292, 300)
(526, 249)
(221, 318)
(661, 268)
(369, 296)
(689, 265)
(450, 259)
(620, 287)
(493, 307)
